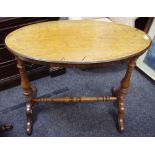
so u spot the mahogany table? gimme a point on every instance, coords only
(77, 44)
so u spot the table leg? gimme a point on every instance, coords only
(29, 93)
(122, 92)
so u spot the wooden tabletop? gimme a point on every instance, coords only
(77, 42)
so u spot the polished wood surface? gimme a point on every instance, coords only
(77, 42)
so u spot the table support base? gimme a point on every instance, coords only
(118, 95)
(121, 92)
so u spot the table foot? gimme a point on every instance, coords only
(29, 118)
(29, 111)
(120, 117)
(120, 125)
(120, 107)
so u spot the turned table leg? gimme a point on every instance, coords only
(28, 93)
(122, 92)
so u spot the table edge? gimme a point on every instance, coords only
(72, 64)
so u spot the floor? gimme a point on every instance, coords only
(83, 119)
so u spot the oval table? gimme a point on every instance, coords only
(77, 44)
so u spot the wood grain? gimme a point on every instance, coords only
(77, 41)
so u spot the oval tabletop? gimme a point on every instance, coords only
(77, 42)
